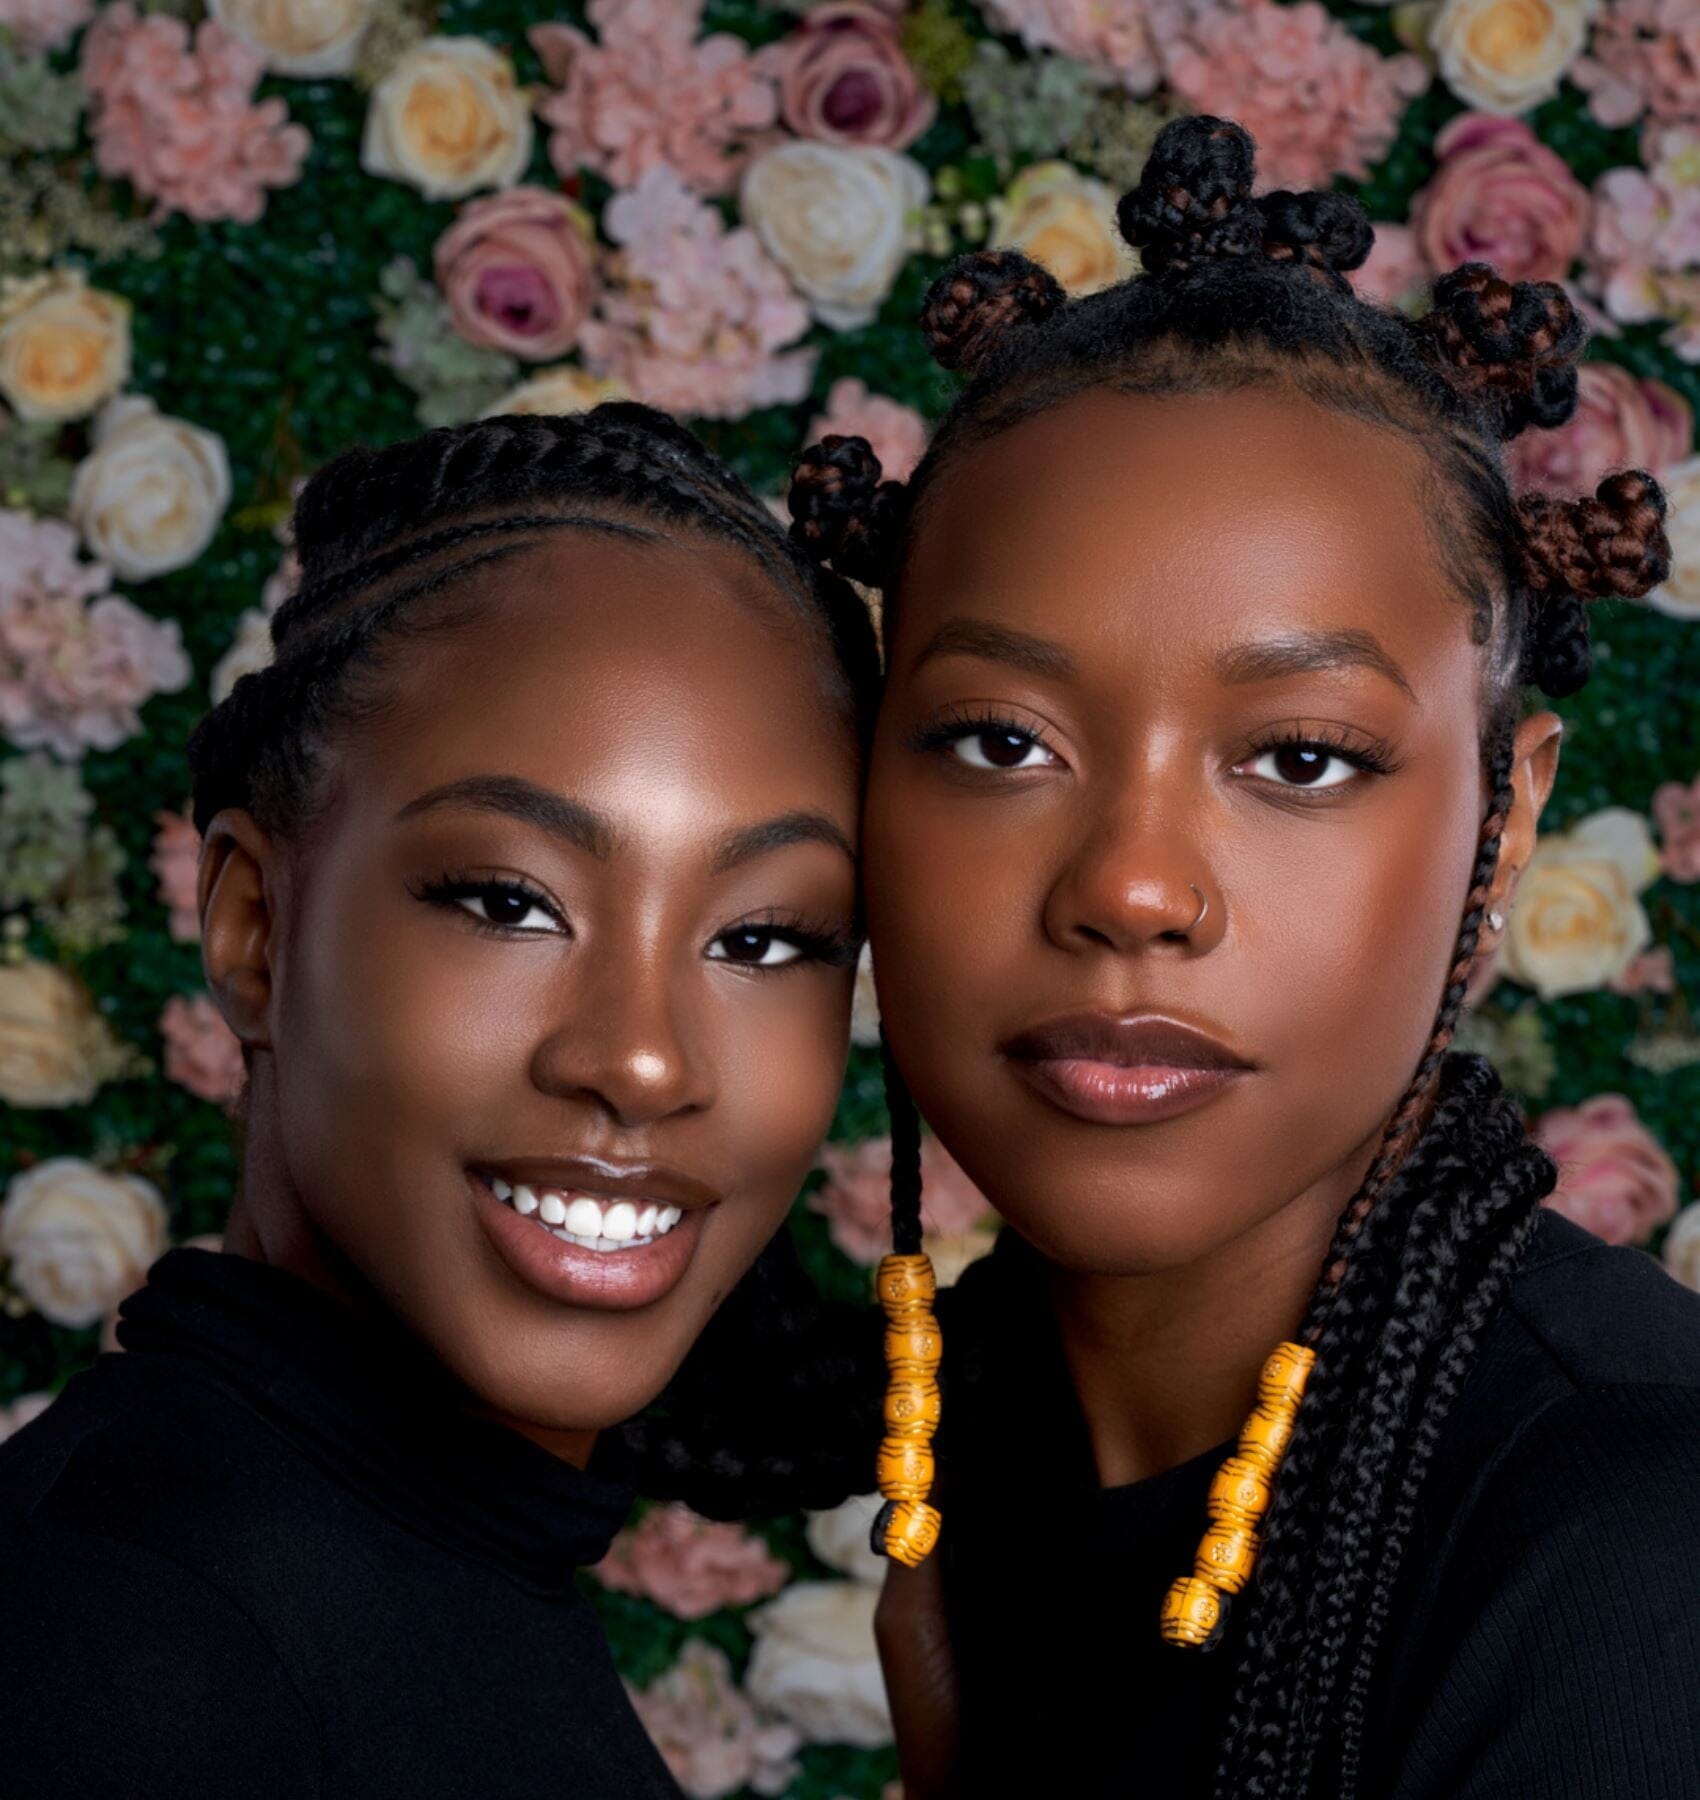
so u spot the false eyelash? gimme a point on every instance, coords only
(820, 940)
(1375, 757)
(964, 721)
(457, 884)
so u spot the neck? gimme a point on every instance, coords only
(1165, 1365)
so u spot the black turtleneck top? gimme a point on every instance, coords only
(267, 1551)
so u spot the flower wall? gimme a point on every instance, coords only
(233, 243)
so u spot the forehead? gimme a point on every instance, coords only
(1219, 515)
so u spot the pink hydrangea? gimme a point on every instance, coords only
(1501, 196)
(689, 1565)
(1115, 37)
(202, 1053)
(856, 1196)
(1621, 422)
(44, 24)
(175, 861)
(178, 121)
(695, 317)
(1319, 101)
(650, 92)
(711, 1736)
(1644, 253)
(75, 661)
(518, 273)
(897, 433)
(1396, 273)
(1643, 58)
(1676, 812)
(1614, 1176)
(843, 77)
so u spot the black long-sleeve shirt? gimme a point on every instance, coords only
(267, 1551)
(1545, 1636)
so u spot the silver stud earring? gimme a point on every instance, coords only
(1495, 919)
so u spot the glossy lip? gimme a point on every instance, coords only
(569, 1274)
(1113, 1069)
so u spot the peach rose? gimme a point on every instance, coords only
(449, 118)
(556, 392)
(78, 1238)
(64, 346)
(149, 495)
(55, 1048)
(1614, 1178)
(1505, 56)
(1065, 221)
(518, 273)
(298, 37)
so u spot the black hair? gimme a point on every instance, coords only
(1240, 290)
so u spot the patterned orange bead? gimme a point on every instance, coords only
(912, 1407)
(1281, 1385)
(1227, 1554)
(1265, 1436)
(906, 1281)
(911, 1532)
(1192, 1612)
(1239, 1493)
(904, 1468)
(913, 1346)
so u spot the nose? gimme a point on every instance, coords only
(1131, 883)
(629, 1041)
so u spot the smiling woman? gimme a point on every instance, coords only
(529, 890)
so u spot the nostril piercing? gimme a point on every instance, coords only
(1203, 908)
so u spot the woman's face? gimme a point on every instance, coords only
(559, 992)
(1173, 808)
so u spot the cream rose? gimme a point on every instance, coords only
(1680, 595)
(55, 1048)
(1505, 56)
(815, 1663)
(555, 392)
(448, 119)
(1577, 923)
(1681, 1250)
(64, 346)
(250, 651)
(148, 497)
(839, 1537)
(79, 1239)
(298, 37)
(838, 219)
(1066, 222)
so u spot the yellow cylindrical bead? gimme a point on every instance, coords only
(911, 1532)
(906, 1281)
(1192, 1612)
(1227, 1555)
(912, 1406)
(1239, 1493)
(1281, 1385)
(904, 1468)
(913, 1346)
(1265, 1436)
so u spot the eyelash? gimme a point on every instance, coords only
(816, 940)
(964, 722)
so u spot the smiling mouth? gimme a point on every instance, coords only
(592, 1221)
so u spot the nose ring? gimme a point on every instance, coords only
(1203, 908)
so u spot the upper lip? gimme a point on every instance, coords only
(595, 1175)
(1132, 1040)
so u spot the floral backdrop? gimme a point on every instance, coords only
(235, 242)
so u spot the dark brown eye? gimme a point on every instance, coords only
(1302, 765)
(755, 947)
(1000, 748)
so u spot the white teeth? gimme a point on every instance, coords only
(646, 1218)
(670, 1216)
(500, 1188)
(554, 1209)
(620, 1222)
(525, 1201)
(584, 1218)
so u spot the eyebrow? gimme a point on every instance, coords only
(1307, 652)
(800, 827)
(1000, 644)
(570, 820)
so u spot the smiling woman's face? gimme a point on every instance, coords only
(572, 954)
(1178, 765)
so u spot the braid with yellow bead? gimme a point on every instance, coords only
(907, 1527)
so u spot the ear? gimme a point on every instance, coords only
(235, 887)
(1534, 766)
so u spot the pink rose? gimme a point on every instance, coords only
(1396, 273)
(1621, 422)
(202, 1053)
(1652, 972)
(1614, 1176)
(856, 1197)
(175, 861)
(689, 1565)
(1501, 196)
(843, 78)
(897, 433)
(1676, 811)
(517, 270)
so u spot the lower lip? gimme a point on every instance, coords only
(613, 1280)
(1113, 1094)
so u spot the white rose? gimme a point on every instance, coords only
(555, 392)
(448, 119)
(1504, 56)
(250, 651)
(815, 1663)
(298, 37)
(839, 1537)
(1576, 923)
(149, 496)
(1066, 222)
(1681, 1250)
(865, 1003)
(64, 346)
(79, 1239)
(839, 219)
(1680, 595)
(952, 1251)
(55, 1048)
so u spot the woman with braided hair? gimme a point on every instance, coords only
(1287, 1447)
(529, 889)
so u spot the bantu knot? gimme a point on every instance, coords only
(979, 299)
(1329, 233)
(842, 513)
(1193, 200)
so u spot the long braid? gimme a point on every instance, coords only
(905, 1158)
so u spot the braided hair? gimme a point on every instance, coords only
(1242, 290)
